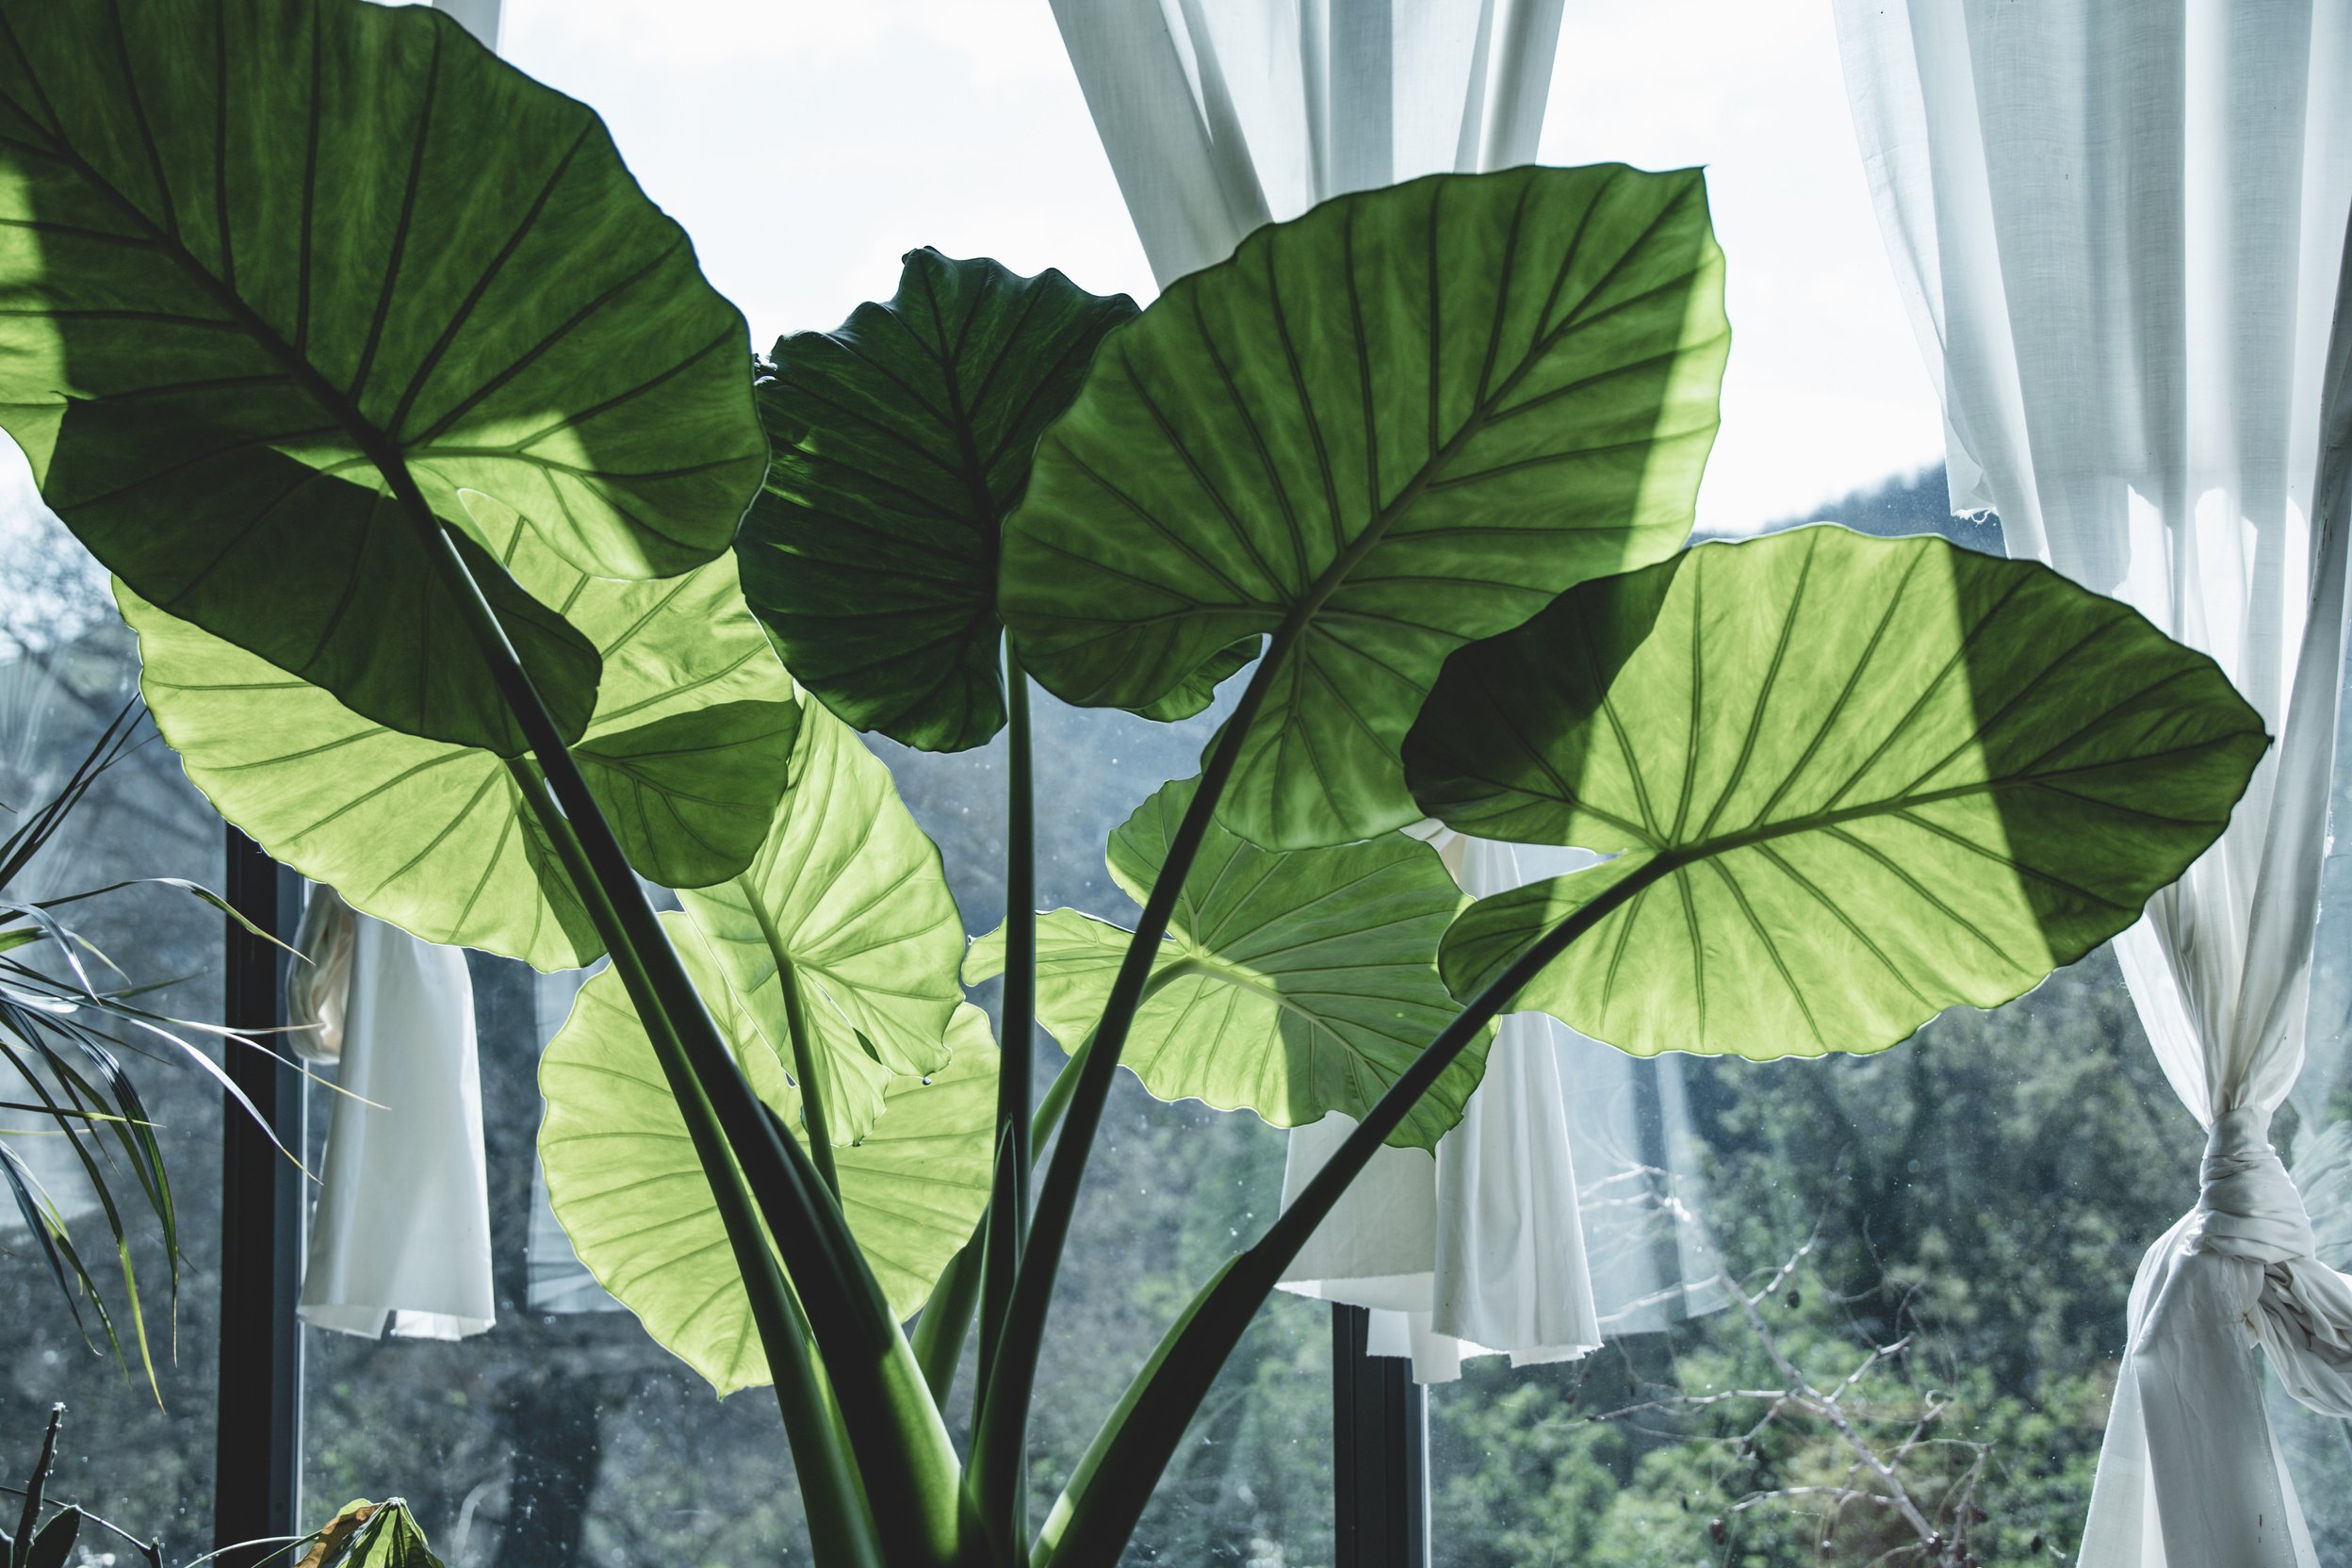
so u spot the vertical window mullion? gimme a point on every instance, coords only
(257, 1458)
(1380, 1452)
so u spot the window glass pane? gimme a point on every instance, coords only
(2312, 1132)
(67, 667)
(1939, 1241)
(564, 1435)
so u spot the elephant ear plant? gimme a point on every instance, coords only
(418, 445)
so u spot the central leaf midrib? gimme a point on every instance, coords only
(1481, 414)
(1674, 856)
(1209, 966)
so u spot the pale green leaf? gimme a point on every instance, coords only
(688, 754)
(1293, 983)
(623, 1179)
(1854, 782)
(847, 901)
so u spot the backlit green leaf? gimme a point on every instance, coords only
(1292, 982)
(1399, 423)
(902, 438)
(266, 264)
(1853, 782)
(687, 755)
(624, 1180)
(368, 1535)
(846, 900)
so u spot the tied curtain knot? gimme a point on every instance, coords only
(2249, 1209)
(2247, 1206)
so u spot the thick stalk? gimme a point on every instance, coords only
(903, 1447)
(840, 1526)
(1095, 1516)
(999, 1436)
(1006, 1223)
(1004, 1227)
(939, 1332)
(812, 1089)
(812, 1092)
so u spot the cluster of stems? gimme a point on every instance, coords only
(880, 1476)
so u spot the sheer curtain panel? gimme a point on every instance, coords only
(2120, 226)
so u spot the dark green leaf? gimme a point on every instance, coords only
(1401, 422)
(1293, 983)
(901, 440)
(268, 264)
(1194, 693)
(690, 795)
(53, 1546)
(1853, 782)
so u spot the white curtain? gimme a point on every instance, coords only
(2120, 226)
(401, 1234)
(1221, 116)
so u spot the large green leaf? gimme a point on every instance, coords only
(1403, 422)
(848, 901)
(266, 263)
(900, 439)
(1292, 982)
(688, 754)
(1853, 782)
(624, 1180)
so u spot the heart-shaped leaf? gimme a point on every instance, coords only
(901, 440)
(1854, 782)
(1399, 423)
(687, 755)
(848, 901)
(282, 277)
(1292, 982)
(624, 1180)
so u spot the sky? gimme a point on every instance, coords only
(806, 144)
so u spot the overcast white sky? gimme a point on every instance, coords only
(804, 144)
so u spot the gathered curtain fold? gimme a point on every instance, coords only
(2120, 228)
(401, 1234)
(1221, 116)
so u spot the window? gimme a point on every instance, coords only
(136, 1455)
(1931, 1245)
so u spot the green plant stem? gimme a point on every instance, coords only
(812, 1092)
(1097, 1513)
(1006, 1223)
(839, 1525)
(1000, 1437)
(805, 1064)
(939, 1332)
(903, 1447)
